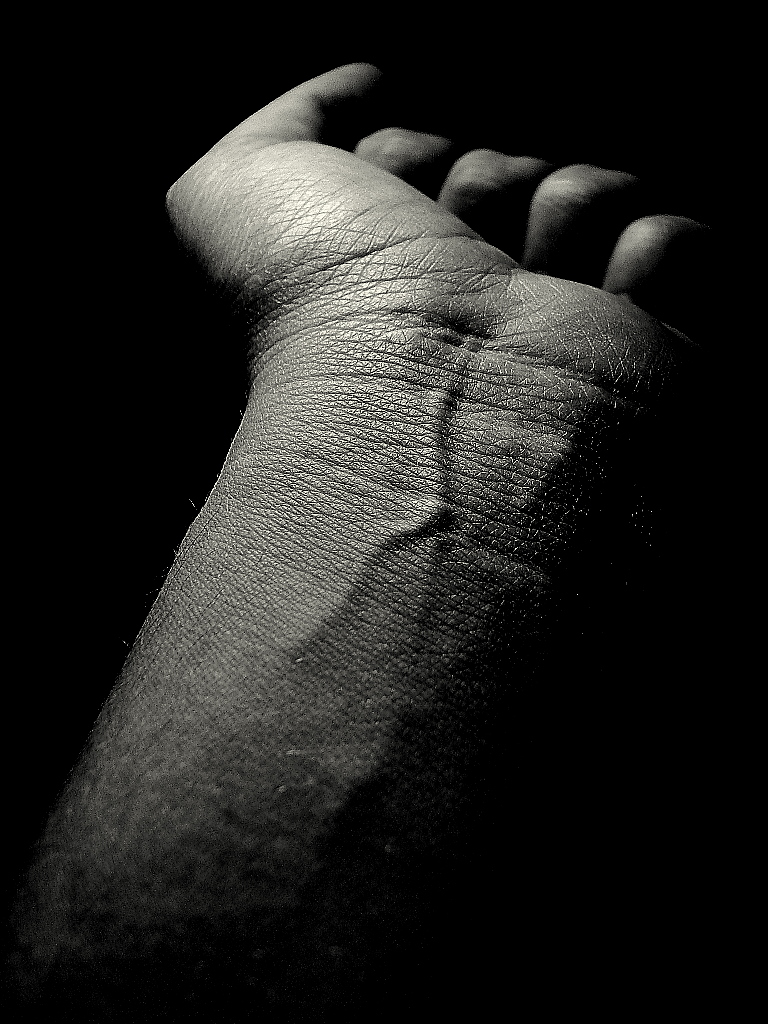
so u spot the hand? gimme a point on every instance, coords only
(581, 222)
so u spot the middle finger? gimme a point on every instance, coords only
(575, 217)
(491, 192)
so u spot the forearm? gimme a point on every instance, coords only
(295, 736)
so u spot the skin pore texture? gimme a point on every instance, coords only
(328, 710)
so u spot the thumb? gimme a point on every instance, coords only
(335, 108)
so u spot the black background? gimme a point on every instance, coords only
(129, 394)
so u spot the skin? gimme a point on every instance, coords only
(427, 508)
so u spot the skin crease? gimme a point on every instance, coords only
(332, 688)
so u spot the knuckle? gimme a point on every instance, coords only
(579, 184)
(663, 226)
(387, 142)
(479, 170)
(479, 162)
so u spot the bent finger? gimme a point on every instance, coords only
(491, 192)
(576, 214)
(664, 265)
(418, 158)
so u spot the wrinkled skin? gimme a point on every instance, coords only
(429, 500)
